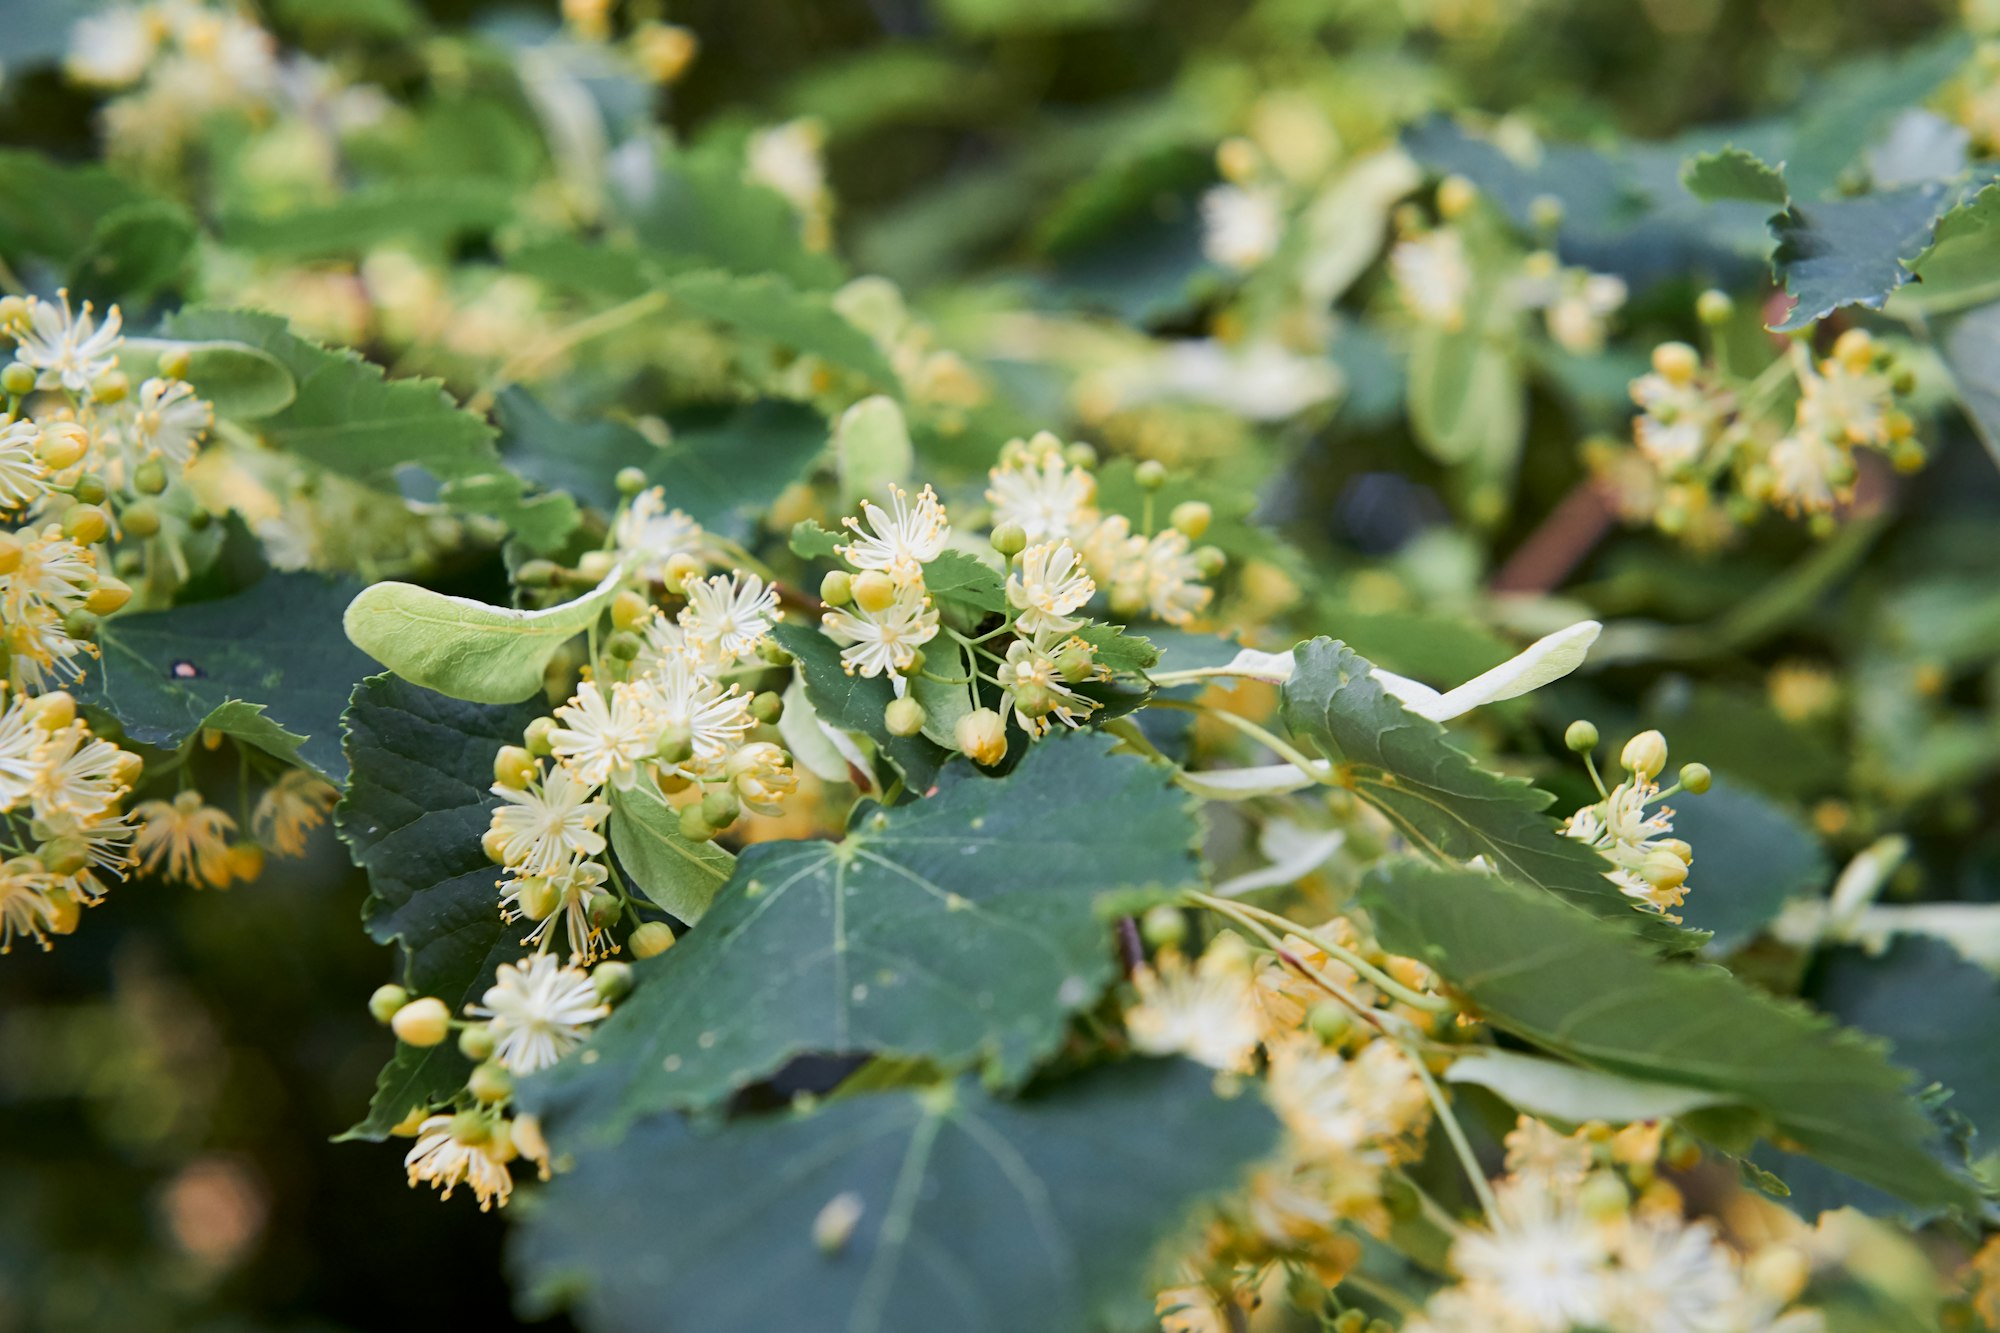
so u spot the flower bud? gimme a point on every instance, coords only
(536, 737)
(1455, 197)
(64, 911)
(18, 379)
(537, 573)
(108, 596)
(62, 443)
(837, 588)
(611, 980)
(874, 591)
(476, 1043)
(490, 1082)
(85, 525)
(79, 624)
(767, 706)
(471, 1128)
(113, 386)
(53, 711)
(1075, 661)
(89, 489)
(1645, 754)
(982, 735)
(1209, 561)
(629, 481)
(493, 842)
(1192, 517)
(676, 744)
(628, 609)
(1677, 846)
(386, 1001)
(1164, 926)
(422, 1022)
(624, 645)
(1035, 699)
(773, 652)
(651, 939)
(1080, 455)
(1676, 362)
(1581, 736)
(602, 910)
(537, 897)
(693, 827)
(1603, 1196)
(10, 553)
(1663, 870)
(176, 363)
(1696, 779)
(514, 768)
(64, 856)
(246, 860)
(1151, 475)
(903, 717)
(1329, 1021)
(409, 1125)
(720, 808)
(1714, 307)
(1010, 539)
(682, 569)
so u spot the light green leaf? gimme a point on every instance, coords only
(856, 703)
(1733, 173)
(810, 541)
(871, 451)
(701, 211)
(412, 818)
(1969, 342)
(766, 306)
(1119, 651)
(962, 578)
(944, 704)
(1467, 395)
(1585, 990)
(1436, 796)
(1962, 266)
(964, 928)
(1851, 251)
(242, 382)
(167, 674)
(1570, 1092)
(970, 1213)
(467, 649)
(679, 875)
(434, 212)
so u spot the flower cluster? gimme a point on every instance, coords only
(1630, 827)
(176, 64)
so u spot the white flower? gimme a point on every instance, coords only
(170, 421)
(885, 640)
(1241, 228)
(1032, 663)
(22, 744)
(1051, 583)
(656, 534)
(1808, 471)
(605, 734)
(1433, 277)
(727, 616)
(1039, 490)
(21, 473)
(81, 777)
(574, 882)
(901, 539)
(537, 1010)
(26, 909)
(1205, 1012)
(442, 1159)
(112, 47)
(715, 716)
(1649, 867)
(1171, 578)
(1350, 1109)
(1678, 421)
(786, 158)
(1675, 1278)
(1545, 1265)
(70, 350)
(763, 777)
(548, 823)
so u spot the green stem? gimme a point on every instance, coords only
(1382, 981)
(1283, 749)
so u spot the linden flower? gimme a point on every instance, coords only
(28, 905)
(444, 1159)
(71, 350)
(786, 158)
(763, 777)
(54, 572)
(170, 421)
(1172, 578)
(1241, 228)
(901, 539)
(1052, 582)
(21, 472)
(1678, 420)
(112, 47)
(189, 836)
(1578, 315)
(107, 847)
(1535, 1149)
(1674, 1278)
(716, 717)
(81, 776)
(1809, 473)
(1035, 487)
(885, 640)
(1031, 667)
(548, 823)
(1362, 1109)
(1545, 1267)
(573, 884)
(43, 653)
(656, 534)
(1433, 278)
(289, 809)
(1204, 1012)
(537, 1010)
(22, 744)
(1650, 867)
(727, 616)
(605, 734)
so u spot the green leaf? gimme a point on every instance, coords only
(1851, 251)
(434, 212)
(1582, 989)
(1575, 1094)
(725, 466)
(579, 458)
(241, 382)
(871, 450)
(702, 211)
(975, 1214)
(965, 929)
(766, 306)
(412, 817)
(1436, 796)
(467, 649)
(1119, 651)
(1750, 856)
(810, 541)
(111, 238)
(138, 250)
(1467, 395)
(327, 20)
(1733, 173)
(543, 522)
(679, 875)
(856, 703)
(965, 579)
(1969, 342)
(416, 1076)
(1962, 265)
(267, 666)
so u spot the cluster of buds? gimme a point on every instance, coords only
(536, 1012)
(1629, 826)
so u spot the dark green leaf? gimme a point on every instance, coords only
(1580, 988)
(1733, 173)
(702, 211)
(1119, 651)
(138, 250)
(856, 703)
(432, 212)
(966, 580)
(678, 875)
(975, 1215)
(766, 306)
(578, 458)
(270, 666)
(1851, 251)
(724, 466)
(1750, 856)
(965, 929)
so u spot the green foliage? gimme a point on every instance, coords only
(1581, 989)
(855, 702)
(678, 875)
(1734, 174)
(872, 450)
(1753, 857)
(1042, 1213)
(241, 382)
(1575, 1094)
(767, 306)
(427, 212)
(102, 233)
(923, 933)
(1851, 251)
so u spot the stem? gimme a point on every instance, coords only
(1283, 749)
(605, 321)
(1453, 1131)
(1381, 980)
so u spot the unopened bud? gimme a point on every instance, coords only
(1603, 1196)
(1151, 475)
(1663, 870)
(1164, 926)
(1645, 754)
(514, 768)
(85, 525)
(693, 827)
(1010, 539)
(1192, 517)
(141, 519)
(837, 588)
(1581, 736)
(1676, 362)
(64, 856)
(1714, 307)
(603, 910)
(903, 717)
(767, 706)
(682, 569)
(596, 566)
(53, 711)
(61, 444)
(109, 595)
(874, 591)
(490, 1083)
(611, 980)
(1329, 1021)
(18, 379)
(89, 489)
(982, 735)
(112, 386)
(623, 645)
(536, 737)
(1696, 779)
(422, 1022)
(628, 609)
(537, 573)
(652, 939)
(176, 363)
(494, 842)
(386, 1001)
(476, 1043)
(1209, 561)
(720, 808)
(1080, 455)
(1455, 197)
(629, 481)
(676, 744)
(538, 897)
(471, 1128)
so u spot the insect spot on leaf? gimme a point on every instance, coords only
(183, 669)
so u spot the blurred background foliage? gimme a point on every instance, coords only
(171, 1079)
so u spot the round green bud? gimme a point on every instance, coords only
(767, 706)
(79, 624)
(611, 980)
(1714, 307)
(476, 1043)
(773, 652)
(386, 1000)
(874, 591)
(536, 737)
(150, 477)
(85, 524)
(1581, 736)
(651, 939)
(676, 744)
(176, 363)
(537, 897)
(1329, 1021)
(596, 566)
(513, 767)
(1151, 474)
(200, 519)
(1192, 517)
(1035, 699)
(89, 489)
(422, 1022)
(917, 660)
(603, 909)
(837, 588)
(903, 717)
(64, 856)
(490, 1083)
(720, 808)
(141, 519)
(1209, 560)
(1010, 539)
(1164, 926)
(1603, 1195)
(623, 645)
(471, 1127)
(695, 828)
(630, 481)
(111, 387)
(1080, 455)
(1645, 754)
(537, 573)
(18, 380)
(1696, 778)
(1074, 661)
